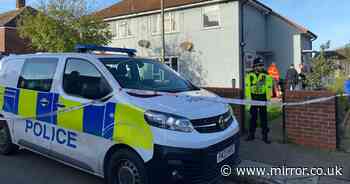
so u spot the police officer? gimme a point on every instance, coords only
(258, 85)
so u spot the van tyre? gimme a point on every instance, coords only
(126, 167)
(6, 145)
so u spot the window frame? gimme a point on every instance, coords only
(129, 26)
(176, 19)
(114, 29)
(91, 63)
(219, 15)
(170, 58)
(53, 75)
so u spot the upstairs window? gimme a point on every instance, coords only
(37, 74)
(171, 23)
(172, 62)
(124, 28)
(211, 16)
(114, 29)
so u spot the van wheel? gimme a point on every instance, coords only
(6, 146)
(126, 167)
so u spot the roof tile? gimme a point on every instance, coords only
(126, 7)
(10, 18)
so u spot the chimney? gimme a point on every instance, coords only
(20, 4)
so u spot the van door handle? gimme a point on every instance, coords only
(60, 105)
(44, 102)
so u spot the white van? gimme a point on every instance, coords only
(127, 119)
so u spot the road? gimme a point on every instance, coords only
(30, 168)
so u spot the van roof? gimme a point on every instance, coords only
(73, 54)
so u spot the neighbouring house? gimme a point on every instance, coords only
(211, 42)
(340, 58)
(340, 61)
(10, 41)
(343, 59)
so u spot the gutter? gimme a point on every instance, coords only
(167, 10)
(313, 36)
(7, 27)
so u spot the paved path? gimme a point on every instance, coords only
(29, 168)
(297, 156)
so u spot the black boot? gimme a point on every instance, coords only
(266, 139)
(250, 137)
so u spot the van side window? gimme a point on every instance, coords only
(37, 74)
(82, 79)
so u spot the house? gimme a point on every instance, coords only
(10, 41)
(343, 59)
(211, 42)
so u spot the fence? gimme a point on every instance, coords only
(312, 125)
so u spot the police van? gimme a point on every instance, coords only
(127, 119)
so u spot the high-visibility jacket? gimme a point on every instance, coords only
(258, 84)
(274, 72)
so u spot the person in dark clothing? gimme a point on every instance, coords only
(258, 86)
(292, 78)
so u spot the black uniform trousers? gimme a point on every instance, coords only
(254, 112)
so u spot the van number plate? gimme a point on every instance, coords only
(222, 155)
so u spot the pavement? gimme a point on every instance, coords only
(258, 154)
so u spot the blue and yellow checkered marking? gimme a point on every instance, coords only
(27, 103)
(2, 97)
(92, 118)
(45, 108)
(122, 123)
(99, 120)
(11, 98)
(109, 121)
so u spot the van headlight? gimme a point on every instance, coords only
(231, 111)
(168, 121)
(232, 114)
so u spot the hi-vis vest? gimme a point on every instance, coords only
(258, 84)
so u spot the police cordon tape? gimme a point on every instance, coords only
(192, 98)
(239, 101)
(272, 103)
(63, 110)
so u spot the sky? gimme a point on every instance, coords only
(325, 18)
(329, 19)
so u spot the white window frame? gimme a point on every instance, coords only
(130, 26)
(175, 18)
(219, 15)
(169, 62)
(114, 29)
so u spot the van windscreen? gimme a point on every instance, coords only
(146, 74)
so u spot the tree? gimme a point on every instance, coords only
(59, 25)
(322, 69)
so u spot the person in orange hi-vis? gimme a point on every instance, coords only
(275, 74)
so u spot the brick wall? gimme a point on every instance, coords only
(230, 93)
(311, 125)
(13, 43)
